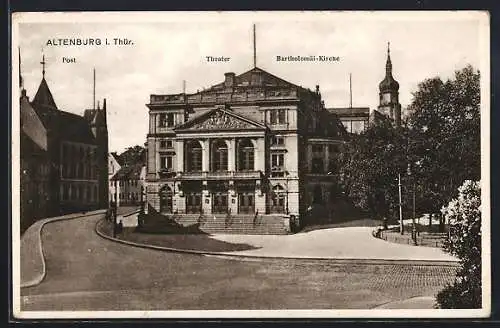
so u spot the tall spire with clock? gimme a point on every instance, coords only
(389, 93)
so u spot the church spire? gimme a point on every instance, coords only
(43, 65)
(388, 64)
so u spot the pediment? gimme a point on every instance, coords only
(220, 120)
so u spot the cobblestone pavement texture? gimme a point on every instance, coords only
(87, 272)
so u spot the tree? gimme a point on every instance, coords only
(370, 168)
(464, 241)
(133, 155)
(444, 139)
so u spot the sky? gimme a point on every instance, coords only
(168, 48)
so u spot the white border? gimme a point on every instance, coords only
(150, 17)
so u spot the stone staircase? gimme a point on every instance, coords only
(222, 223)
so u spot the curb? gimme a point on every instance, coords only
(39, 279)
(264, 258)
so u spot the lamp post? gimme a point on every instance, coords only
(286, 175)
(401, 226)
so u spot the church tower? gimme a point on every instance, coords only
(99, 128)
(389, 93)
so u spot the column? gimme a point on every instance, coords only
(309, 157)
(179, 152)
(206, 201)
(260, 155)
(179, 199)
(117, 188)
(326, 157)
(205, 162)
(260, 199)
(231, 155)
(232, 198)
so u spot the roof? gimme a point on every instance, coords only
(388, 83)
(117, 158)
(245, 80)
(354, 111)
(68, 126)
(44, 96)
(331, 123)
(132, 172)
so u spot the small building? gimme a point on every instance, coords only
(128, 185)
(354, 119)
(114, 165)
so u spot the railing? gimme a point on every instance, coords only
(219, 175)
(210, 97)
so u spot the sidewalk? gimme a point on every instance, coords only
(32, 262)
(338, 243)
(352, 243)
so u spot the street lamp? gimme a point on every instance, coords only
(286, 175)
(401, 226)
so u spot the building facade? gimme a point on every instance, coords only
(114, 165)
(254, 143)
(63, 165)
(129, 185)
(354, 119)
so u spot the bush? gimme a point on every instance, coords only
(464, 242)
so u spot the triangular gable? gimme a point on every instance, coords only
(245, 80)
(220, 120)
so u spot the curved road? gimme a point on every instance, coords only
(86, 272)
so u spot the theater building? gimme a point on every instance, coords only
(252, 144)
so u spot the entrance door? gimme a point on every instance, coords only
(166, 203)
(219, 202)
(246, 203)
(193, 203)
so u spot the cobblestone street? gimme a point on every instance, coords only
(87, 272)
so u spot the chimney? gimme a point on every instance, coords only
(229, 79)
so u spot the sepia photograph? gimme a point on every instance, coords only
(315, 164)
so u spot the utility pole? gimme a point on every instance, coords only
(401, 227)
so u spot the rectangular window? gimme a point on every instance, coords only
(278, 116)
(169, 144)
(163, 143)
(170, 119)
(277, 161)
(163, 120)
(317, 148)
(317, 165)
(166, 162)
(277, 141)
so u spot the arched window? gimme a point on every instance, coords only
(219, 155)
(245, 155)
(193, 156)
